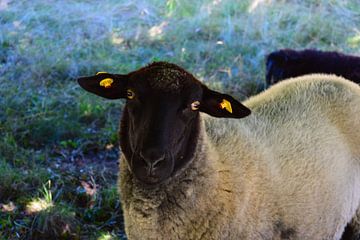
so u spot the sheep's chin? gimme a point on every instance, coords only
(151, 183)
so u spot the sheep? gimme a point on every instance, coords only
(286, 63)
(192, 169)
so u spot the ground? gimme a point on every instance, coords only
(58, 143)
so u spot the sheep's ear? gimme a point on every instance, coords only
(111, 86)
(222, 105)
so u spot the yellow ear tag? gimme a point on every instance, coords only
(106, 83)
(227, 105)
(100, 73)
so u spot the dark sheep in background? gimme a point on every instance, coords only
(287, 63)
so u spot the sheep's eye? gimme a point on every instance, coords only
(130, 94)
(195, 105)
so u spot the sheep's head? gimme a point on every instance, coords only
(160, 121)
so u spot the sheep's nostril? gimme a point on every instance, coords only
(147, 163)
(156, 163)
(152, 161)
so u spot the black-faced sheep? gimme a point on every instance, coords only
(288, 63)
(289, 170)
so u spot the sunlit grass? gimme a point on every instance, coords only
(105, 236)
(38, 205)
(41, 204)
(354, 41)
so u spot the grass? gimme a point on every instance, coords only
(51, 131)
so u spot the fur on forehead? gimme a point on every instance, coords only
(166, 77)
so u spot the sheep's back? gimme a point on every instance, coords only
(303, 139)
(307, 109)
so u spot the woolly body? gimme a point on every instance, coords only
(290, 170)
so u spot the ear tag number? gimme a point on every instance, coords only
(225, 104)
(106, 83)
(100, 73)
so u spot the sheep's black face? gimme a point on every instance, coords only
(158, 130)
(160, 122)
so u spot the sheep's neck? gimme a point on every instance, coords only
(184, 205)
